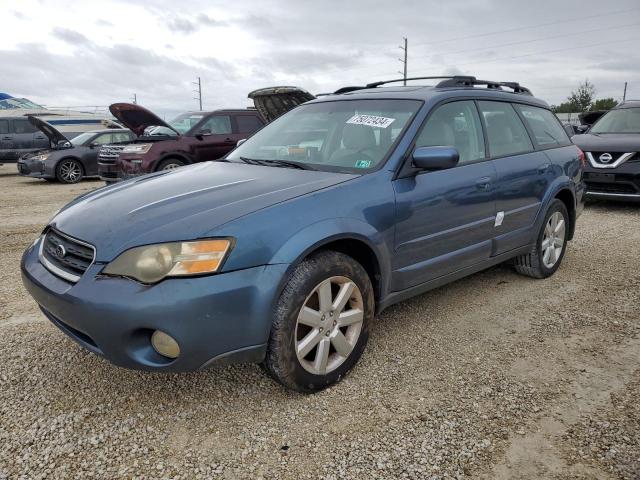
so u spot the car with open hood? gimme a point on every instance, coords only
(68, 160)
(283, 251)
(189, 138)
(612, 148)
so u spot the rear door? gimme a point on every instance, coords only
(445, 218)
(216, 138)
(522, 174)
(6, 140)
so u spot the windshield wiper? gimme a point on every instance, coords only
(276, 163)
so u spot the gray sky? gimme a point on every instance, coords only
(68, 53)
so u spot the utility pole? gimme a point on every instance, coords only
(199, 92)
(624, 95)
(404, 70)
(135, 99)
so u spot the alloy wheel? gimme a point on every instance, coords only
(171, 166)
(70, 171)
(553, 239)
(329, 325)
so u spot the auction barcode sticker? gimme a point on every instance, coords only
(371, 120)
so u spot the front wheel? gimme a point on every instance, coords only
(69, 170)
(171, 164)
(320, 323)
(547, 254)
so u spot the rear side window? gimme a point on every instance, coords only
(545, 126)
(248, 123)
(455, 124)
(23, 126)
(505, 131)
(4, 126)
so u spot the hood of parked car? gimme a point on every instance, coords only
(55, 137)
(182, 204)
(271, 102)
(137, 118)
(608, 142)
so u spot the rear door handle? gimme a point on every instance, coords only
(483, 183)
(7, 138)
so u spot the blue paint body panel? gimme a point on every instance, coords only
(424, 229)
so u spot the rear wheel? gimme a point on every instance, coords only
(69, 170)
(321, 322)
(171, 164)
(547, 254)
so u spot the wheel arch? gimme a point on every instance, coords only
(171, 155)
(566, 196)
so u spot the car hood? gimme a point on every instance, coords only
(182, 204)
(271, 102)
(54, 136)
(137, 118)
(608, 142)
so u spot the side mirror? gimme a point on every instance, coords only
(582, 129)
(93, 145)
(205, 132)
(241, 141)
(435, 158)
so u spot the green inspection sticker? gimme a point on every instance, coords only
(363, 163)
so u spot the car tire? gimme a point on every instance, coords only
(320, 323)
(170, 164)
(551, 244)
(69, 170)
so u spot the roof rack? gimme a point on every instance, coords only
(446, 82)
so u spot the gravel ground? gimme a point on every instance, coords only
(495, 376)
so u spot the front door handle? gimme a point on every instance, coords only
(483, 183)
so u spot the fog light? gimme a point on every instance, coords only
(165, 345)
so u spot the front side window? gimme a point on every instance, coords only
(345, 135)
(505, 131)
(545, 126)
(622, 120)
(455, 124)
(217, 125)
(4, 126)
(103, 139)
(23, 126)
(120, 137)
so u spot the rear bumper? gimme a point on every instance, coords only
(223, 318)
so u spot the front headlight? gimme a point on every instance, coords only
(152, 263)
(140, 148)
(41, 157)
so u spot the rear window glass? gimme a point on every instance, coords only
(505, 131)
(545, 126)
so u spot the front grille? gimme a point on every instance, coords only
(597, 187)
(109, 153)
(64, 256)
(596, 161)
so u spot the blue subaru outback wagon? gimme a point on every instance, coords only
(283, 252)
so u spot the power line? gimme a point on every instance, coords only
(199, 92)
(404, 70)
(517, 29)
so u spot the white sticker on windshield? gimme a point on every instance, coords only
(371, 120)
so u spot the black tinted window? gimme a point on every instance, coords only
(455, 124)
(23, 126)
(505, 131)
(248, 123)
(4, 126)
(545, 126)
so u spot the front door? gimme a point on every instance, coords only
(445, 219)
(215, 140)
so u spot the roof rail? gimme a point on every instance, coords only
(446, 82)
(463, 81)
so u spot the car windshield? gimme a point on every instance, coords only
(81, 139)
(346, 135)
(622, 120)
(183, 123)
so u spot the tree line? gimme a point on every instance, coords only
(583, 100)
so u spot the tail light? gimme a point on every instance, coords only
(582, 157)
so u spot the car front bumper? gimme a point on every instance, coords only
(621, 183)
(33, 168)
(224, 318)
